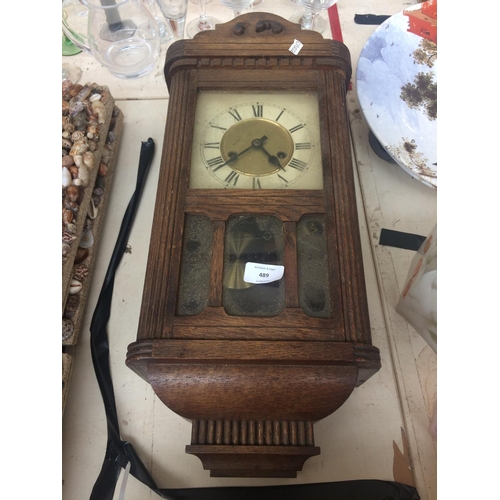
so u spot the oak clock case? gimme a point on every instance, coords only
(254, 322)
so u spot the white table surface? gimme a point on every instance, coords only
(381, 432)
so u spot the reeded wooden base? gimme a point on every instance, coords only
(252, 448)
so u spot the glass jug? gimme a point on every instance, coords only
(123, 36)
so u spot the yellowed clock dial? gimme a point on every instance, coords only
(256, 141)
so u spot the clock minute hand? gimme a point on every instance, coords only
(256, 143)
(235, 156)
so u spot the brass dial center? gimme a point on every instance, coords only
(257, 147)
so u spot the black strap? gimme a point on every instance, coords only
(119, 453)
(399, 239)
(369, 19)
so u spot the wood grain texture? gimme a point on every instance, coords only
(254, 385)
(279, 391)
(253, 461)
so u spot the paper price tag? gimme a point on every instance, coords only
(262, 273)
(295, 47)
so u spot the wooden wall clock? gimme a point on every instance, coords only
(254, 321)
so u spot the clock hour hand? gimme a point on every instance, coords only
(272, 159)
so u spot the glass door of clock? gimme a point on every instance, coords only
(253, 273)
(253, 255)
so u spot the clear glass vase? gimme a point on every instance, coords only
(123, 36)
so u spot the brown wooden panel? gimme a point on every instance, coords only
(243, 351)
(291, 280)
(291, 323)
(217, 269)
(251, 391)
(158, 301)
(345, 237)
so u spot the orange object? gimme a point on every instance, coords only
(430, 9)
(423, 22)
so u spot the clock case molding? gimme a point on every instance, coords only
(253, 387)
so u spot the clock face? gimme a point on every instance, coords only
(256, 141)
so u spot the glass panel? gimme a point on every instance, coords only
(194, 285)
(312, 261)
(258, 239)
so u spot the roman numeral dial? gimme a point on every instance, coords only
(261, 141)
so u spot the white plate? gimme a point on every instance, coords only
(389, 63)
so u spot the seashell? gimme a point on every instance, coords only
(84, 93)
(79, 147)
(78, 159)
(80, 120)
(88, 224)
(105, 95)
(111, 137)
(65, 95)
(68, 237)
(77, 182)
(71, 205)
(93, 127)
(67, 161)
(73, 194)
(100, 182)
(80, 272)
(75, 107)
(75, 89)
(106, 156)
(84, 175)
(71, 307)
(95, 97)
(66, 177)
(103, 169)
(92, 211)
(75, 287)
(66, 144)
(81, 255)
(87, 239)
(67, 328)
(67, 216)
(65, 249)
(88, 159)
(68, 127)
(88, 109)
(66, 135)
(65, 107)
(74, 171)
(66, 85)
(78, 135)
(99, 108)
(71, 228)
